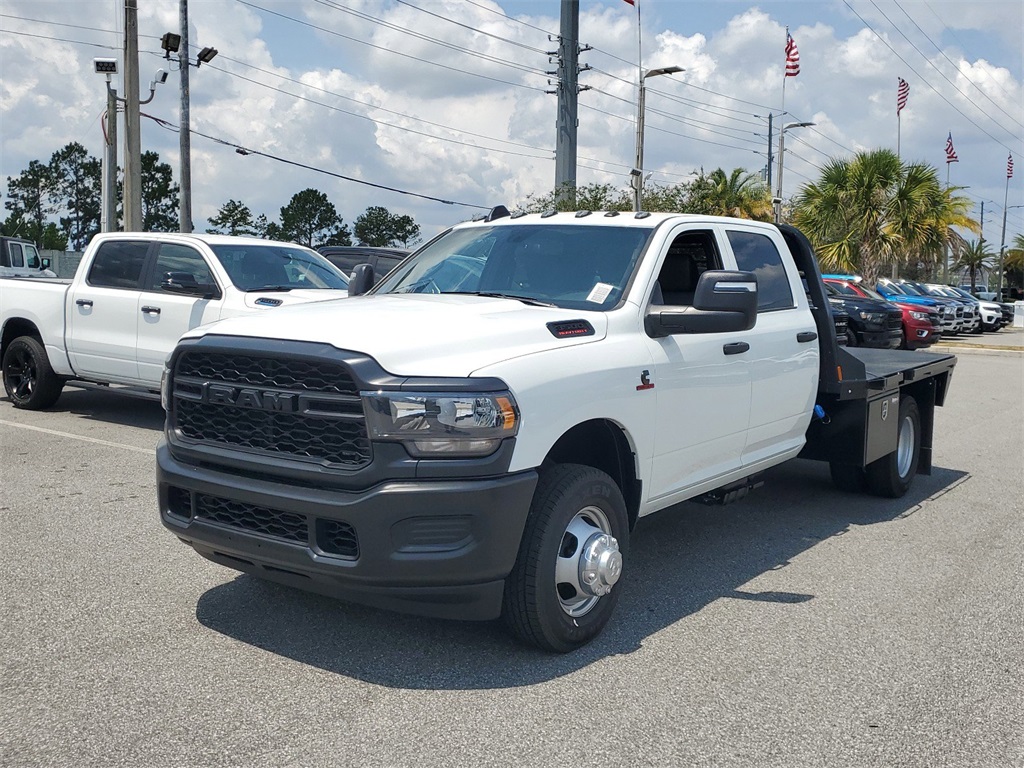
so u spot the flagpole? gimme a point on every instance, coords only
(899, 126)
(945, 250)
(778, 206)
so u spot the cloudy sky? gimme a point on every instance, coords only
(446, 98)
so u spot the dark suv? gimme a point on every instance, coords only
(873, 323)
(346, 257)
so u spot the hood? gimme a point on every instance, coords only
(418, 334)
(272, 299)
(924, 301)
(867, 305)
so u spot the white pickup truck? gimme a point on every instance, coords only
(133, 296)
(478, 434)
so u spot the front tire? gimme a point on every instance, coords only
(891, 475)
(28, 378)
(561, 594)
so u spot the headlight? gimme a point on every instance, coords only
(872, 317)
(919, 315)
(432, 424)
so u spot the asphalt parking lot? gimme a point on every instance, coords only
(799, 627)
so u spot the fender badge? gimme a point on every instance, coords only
(645, 381)
(885, 409)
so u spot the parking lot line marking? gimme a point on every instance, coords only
(147, 451)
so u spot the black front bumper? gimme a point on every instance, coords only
(432, 547)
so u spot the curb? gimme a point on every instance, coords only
(977, 350)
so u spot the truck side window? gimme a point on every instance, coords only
(758, 254)
(17, 260)
(118, 264)
(690, 255)
(32, 257)
(180, 259)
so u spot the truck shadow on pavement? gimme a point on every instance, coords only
(681, 560)
(112, 408)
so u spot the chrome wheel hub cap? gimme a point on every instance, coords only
(589, 562)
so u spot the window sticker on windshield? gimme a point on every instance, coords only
(599, 293)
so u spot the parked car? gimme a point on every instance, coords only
(990, 313)
(133, 296)
(971, 318)
(873, 322)
(980, 291)
(346, 257)
(922, 326)
(20, 258)
(952, 311)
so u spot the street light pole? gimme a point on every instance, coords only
(637, 175)
(133, 143)
(782, 155)
(1002, 251)
(184, 130)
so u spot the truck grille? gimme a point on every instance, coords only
(289, 408)
(895, 321)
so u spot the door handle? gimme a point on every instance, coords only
(804, 336)
(736, 348)
(151, 310)
(83, 302)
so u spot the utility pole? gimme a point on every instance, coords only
(133, 142)
(184, 135)
(771, 157)
(568, 102)
(108, 220)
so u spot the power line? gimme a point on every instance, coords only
(952, 63)
(428, 38)
(941, 73)
(60, 39)
(510, 18)
(389, 50)
(372, 106)
(370, 119)
(247, 151)
(923, 79)
(472, 29)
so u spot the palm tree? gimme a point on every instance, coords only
(975, 256)
(740, 194)
(873, 210)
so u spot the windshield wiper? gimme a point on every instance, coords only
(271, 288)
(496, 295)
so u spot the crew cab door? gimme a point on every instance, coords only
(701, 380)
(783, 355)
(102, 316)
(163, 315)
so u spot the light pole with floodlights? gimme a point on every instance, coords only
(108, 211)
(637, 174)
(782, 154)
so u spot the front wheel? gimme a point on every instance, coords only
(891, 475)
(561, 594)
(28, 378)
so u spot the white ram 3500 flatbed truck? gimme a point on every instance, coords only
(477, 435)
(133, 295)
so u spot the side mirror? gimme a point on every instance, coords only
(185, 284)
(361, 280)
(44, 263)
(724, 301)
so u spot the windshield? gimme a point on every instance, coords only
(254, 267)
(892, 288)
(872, 294)
(574, 267)
(910, 290)
(841, 289)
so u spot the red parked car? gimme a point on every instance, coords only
(922, 326)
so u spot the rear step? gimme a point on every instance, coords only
(732, 492)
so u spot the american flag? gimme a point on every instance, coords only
(631, 2)
(901, 95)
(950, 152)
(792, 57)
(1009, 166)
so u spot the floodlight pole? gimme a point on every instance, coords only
(782, 155)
